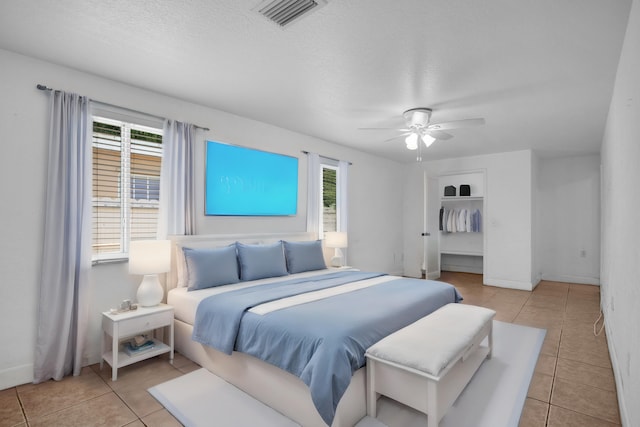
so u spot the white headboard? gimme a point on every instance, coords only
(217, 240)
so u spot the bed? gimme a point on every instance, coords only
(285, 329)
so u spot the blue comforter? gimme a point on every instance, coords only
(322, 342)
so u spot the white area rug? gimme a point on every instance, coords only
(494, 397)
(202, 399)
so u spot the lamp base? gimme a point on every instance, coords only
(336, 261)
(150, 291)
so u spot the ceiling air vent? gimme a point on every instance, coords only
(284, 12)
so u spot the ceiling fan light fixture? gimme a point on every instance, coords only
(417, 116)
(419, 129)
(427, 139)
(412, 141)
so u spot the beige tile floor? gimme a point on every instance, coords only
(572, 386)
(573, 381)
(93, 400)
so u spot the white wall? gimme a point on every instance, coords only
(569, 226)
(541, 214)
(507, 217)
(535, 223)
(620, 268)
(375, 215)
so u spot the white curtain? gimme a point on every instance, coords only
(343, 200)
(313, 193)
(177, 188)
(343, 185)
(66, 255)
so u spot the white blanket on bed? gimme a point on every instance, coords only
(318, 295)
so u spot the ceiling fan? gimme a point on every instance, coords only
(418, 128)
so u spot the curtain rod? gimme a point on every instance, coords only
(330, 158)
(43, 87)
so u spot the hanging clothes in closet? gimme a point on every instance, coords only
(460, 220)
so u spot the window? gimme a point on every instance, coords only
(126, 185)
(329, 196)
(145, 187)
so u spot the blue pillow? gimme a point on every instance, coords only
(261, 261)
(304, 256)
(207, 268)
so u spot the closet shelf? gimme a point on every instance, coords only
(467, 253)
(457, 198)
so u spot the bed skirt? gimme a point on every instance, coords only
(272, 386)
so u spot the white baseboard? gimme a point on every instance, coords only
(624, 418)
(434, 275)
(462, 268)
(572, 279)
(17, 375)
(511, 284)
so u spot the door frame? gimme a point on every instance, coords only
(430, 243)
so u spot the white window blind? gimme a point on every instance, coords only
(329, 202)
(126, 185)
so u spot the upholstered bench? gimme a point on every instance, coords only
(427, 364)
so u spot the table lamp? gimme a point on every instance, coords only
(337, 240)
(149, 258)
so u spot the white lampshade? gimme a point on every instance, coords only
(412, 141)
(335, 239)
(427, 139)
(149, 257)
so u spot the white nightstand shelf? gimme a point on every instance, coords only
(125, 359)
(121, 326)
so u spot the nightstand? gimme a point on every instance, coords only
(120, 326)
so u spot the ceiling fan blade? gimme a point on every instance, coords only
(438, 134)
(456, 124)
(401, 130)
(402, 135)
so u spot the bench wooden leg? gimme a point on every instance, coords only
(432, 404)
(371, 388)
(490, 340)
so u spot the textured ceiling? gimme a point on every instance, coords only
(540, 72)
